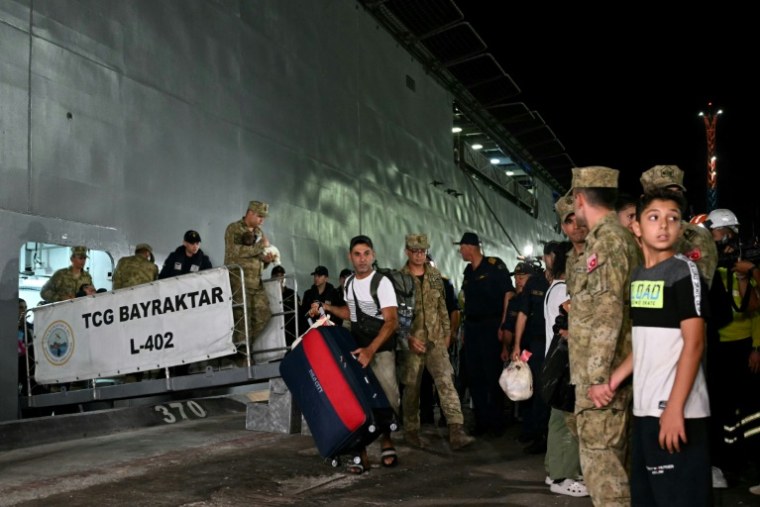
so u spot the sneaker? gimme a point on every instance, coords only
(718, 479)
(755, 490)
(548, 481)
(570, 487)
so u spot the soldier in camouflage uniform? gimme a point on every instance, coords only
(600, 335)
(135, 269)
(696, 242)
(427, 347)
(244, 244)
(65, 282)
(576, 233)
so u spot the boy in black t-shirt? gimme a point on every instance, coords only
(671, 462)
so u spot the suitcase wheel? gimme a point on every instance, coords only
(372, 428)
(357, 460)
(335, 462)
(394, 427)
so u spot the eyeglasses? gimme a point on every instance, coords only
(418, 251)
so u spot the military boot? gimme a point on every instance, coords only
(458, 438)
(412, 437)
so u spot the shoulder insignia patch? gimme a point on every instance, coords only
(693, 255)
(591, 263)
(492, 260)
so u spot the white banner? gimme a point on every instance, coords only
(167, 323)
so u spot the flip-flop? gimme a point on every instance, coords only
(389, 453)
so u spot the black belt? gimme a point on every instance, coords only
(483, 318)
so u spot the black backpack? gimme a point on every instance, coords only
(404, 287)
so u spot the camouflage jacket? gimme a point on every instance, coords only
(64, 283)
(697, 244)
(247, 256)
(599, 331)
(133, 270)
(431, 319)
(572, 259)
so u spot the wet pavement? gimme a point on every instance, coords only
(216, 462)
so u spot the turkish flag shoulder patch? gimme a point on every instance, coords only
(591, 263)
(694, 255)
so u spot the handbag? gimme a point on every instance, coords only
(554, 384)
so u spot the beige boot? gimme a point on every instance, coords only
(458, 438)
(412, 437)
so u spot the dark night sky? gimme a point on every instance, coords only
(625, 92)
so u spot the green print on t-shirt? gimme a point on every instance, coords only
(647, 294)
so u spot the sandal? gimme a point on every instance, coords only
(570, 487)
(357, 466)
(355, 469)
(389, 453)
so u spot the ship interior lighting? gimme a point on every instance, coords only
(477, 146)
(456, 130)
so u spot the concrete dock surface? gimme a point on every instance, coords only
(215, 461)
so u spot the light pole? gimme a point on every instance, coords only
(712, 181)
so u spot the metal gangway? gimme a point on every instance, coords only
(260, 358)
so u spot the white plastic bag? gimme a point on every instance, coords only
(517, 381)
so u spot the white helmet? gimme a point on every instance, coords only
(723, 218)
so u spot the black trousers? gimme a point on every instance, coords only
(535, 411)
(659, 478)
(484, 367)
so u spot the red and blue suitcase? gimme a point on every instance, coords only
(343, 403)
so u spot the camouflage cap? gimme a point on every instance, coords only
(564, 206)
(143, 246)
(79, 251)
(661, 176)
(260, 208)
(595, 177)
(417, 241)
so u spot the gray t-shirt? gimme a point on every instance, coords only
(661, 298)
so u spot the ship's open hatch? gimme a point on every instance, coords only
(38, 262)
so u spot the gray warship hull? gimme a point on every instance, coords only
(133, 121)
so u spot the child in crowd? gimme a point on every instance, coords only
(671, 462)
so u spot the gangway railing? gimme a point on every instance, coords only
(213, 376)
(482, 167)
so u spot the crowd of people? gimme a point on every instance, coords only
(660, 317)
(662, 331)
